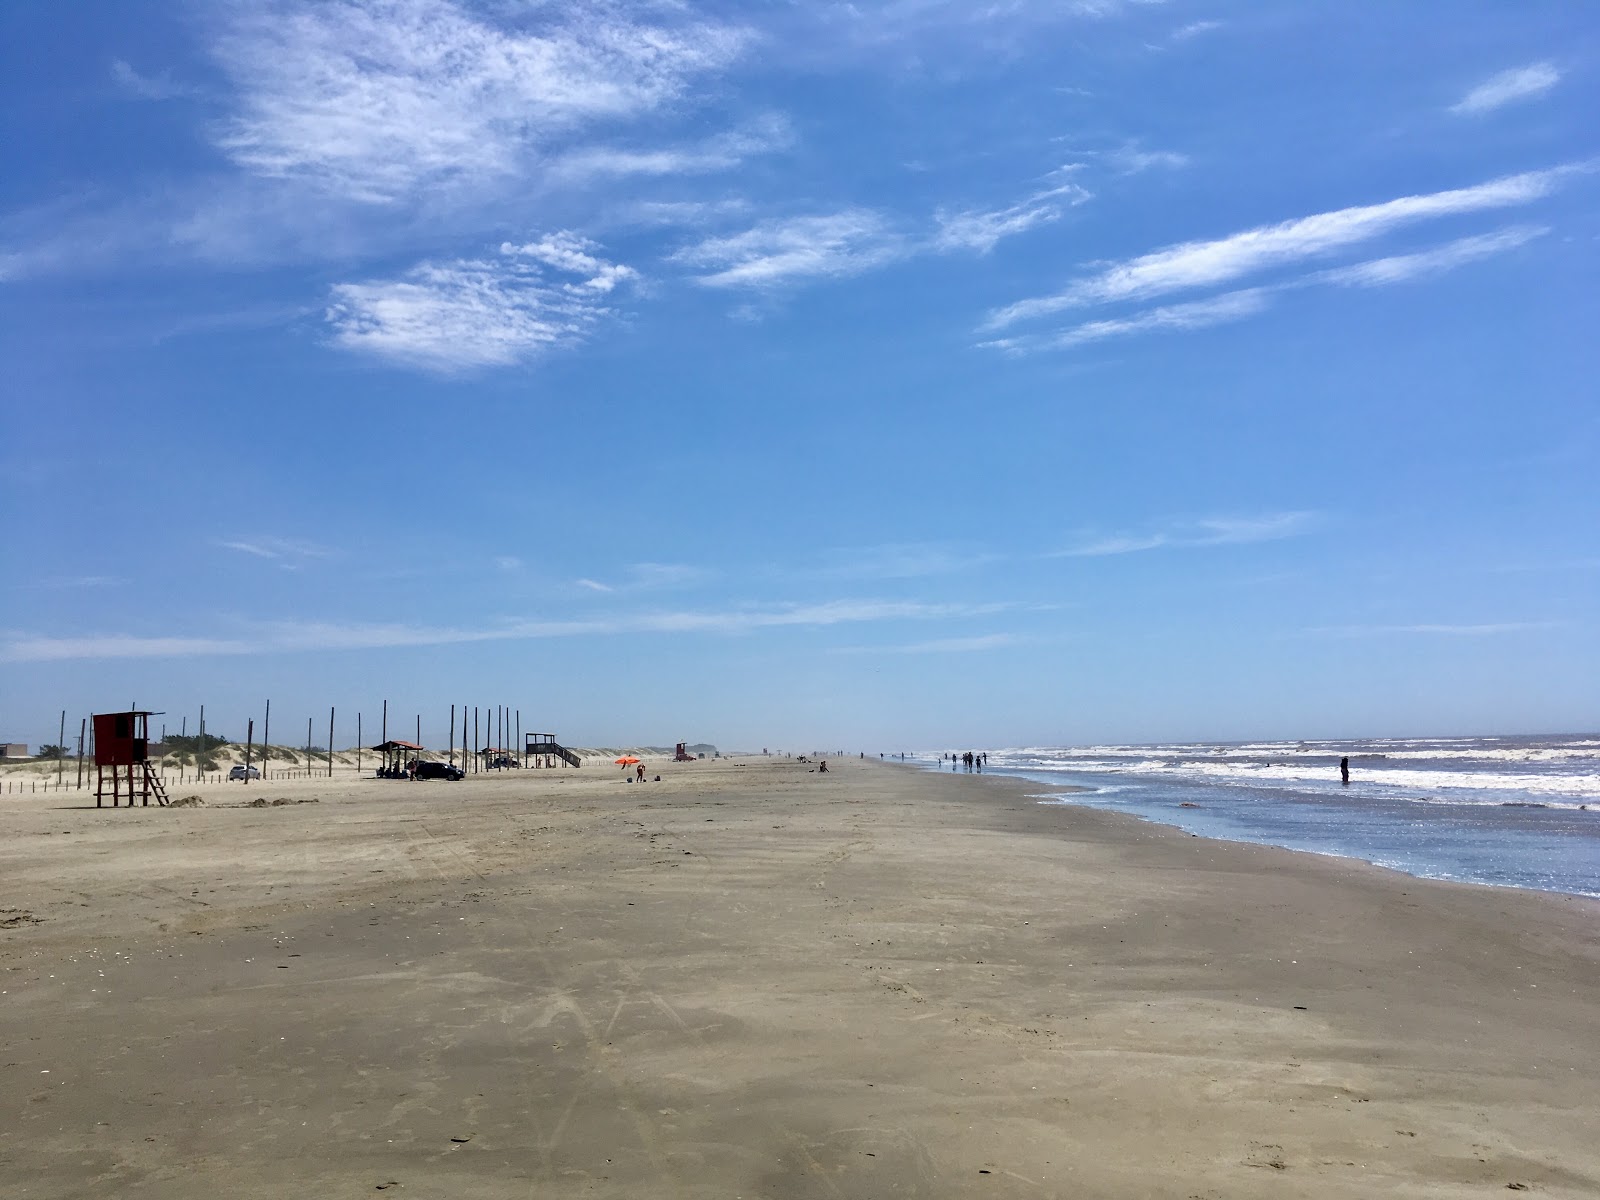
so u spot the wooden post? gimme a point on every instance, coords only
(476, 745)
(452, 735)
(330, 741)
(522, 746)
(358, 745)
(82, 729)
(419, 735)
(308, 747)
(249, 744)
(61, 748)
(384, 737)
(266, 754)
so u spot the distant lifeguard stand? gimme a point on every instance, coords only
(545, 750)
(122, 756)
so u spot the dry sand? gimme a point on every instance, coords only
(751, 980)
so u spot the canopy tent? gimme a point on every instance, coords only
(397, 756)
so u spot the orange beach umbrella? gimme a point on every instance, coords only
(627, 760)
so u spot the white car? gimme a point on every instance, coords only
(243, 772)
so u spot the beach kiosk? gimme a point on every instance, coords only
(122, 759)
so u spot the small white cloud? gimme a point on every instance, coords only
(955, 645)
(1439, 630)
(1402, 268)
(783, 250)
(676, 213)
(594, 585)
(507, 562)
(1193, 30)
(1132, 160)
(719, 153)
(980, 231)
(147, 87)
(1194, 314)
(289, 552)
(1519, 83)
(1197, 533)
(467, 313)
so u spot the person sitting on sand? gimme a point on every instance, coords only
(822, 767)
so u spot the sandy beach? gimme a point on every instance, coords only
(751, 980)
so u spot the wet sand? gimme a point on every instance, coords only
(751, 980)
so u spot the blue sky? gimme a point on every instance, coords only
(868, 375)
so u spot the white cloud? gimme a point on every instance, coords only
(785, 249)
(1194, 314)
(48, 649)
(955, 645)
(899, 560)
(718, 153)
(1248, 302)
(1193, 30)
(1519, 83)
(1200, 532)
(1209, 263)
(1486, 630)
(374, 100)
(594, 585)
(676, 213)
(492, 311)
(980, 231)
(291, 636)
(147, 87)
(1132, 160)
(289, 552)
(1401, 268)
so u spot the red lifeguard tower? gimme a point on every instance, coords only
(122, 754)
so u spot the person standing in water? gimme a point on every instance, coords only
(1344, 771)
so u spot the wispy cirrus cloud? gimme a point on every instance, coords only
(1402, 268)
(376, 101)
(1248, 302)
(953, 645)
(1490, 629)
(980, 231)
(1220, 261)
(490, 311)
(1194, 29)
(147, 87)
(719, 152)
(289, 553)
(1193, 314)
(1197, 532)
(295, 636)
(1519, 83)
(787, 249)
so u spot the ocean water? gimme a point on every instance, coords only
(1506, 811)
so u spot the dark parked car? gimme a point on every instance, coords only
(438, 770)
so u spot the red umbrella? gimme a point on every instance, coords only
(627, 760)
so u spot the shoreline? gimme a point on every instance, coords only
(754, 980)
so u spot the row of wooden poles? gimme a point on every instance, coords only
(499, 722)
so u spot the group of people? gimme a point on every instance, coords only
(972, 762)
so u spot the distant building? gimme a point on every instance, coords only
(14, 750)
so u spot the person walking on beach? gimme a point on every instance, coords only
(1344, 771)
